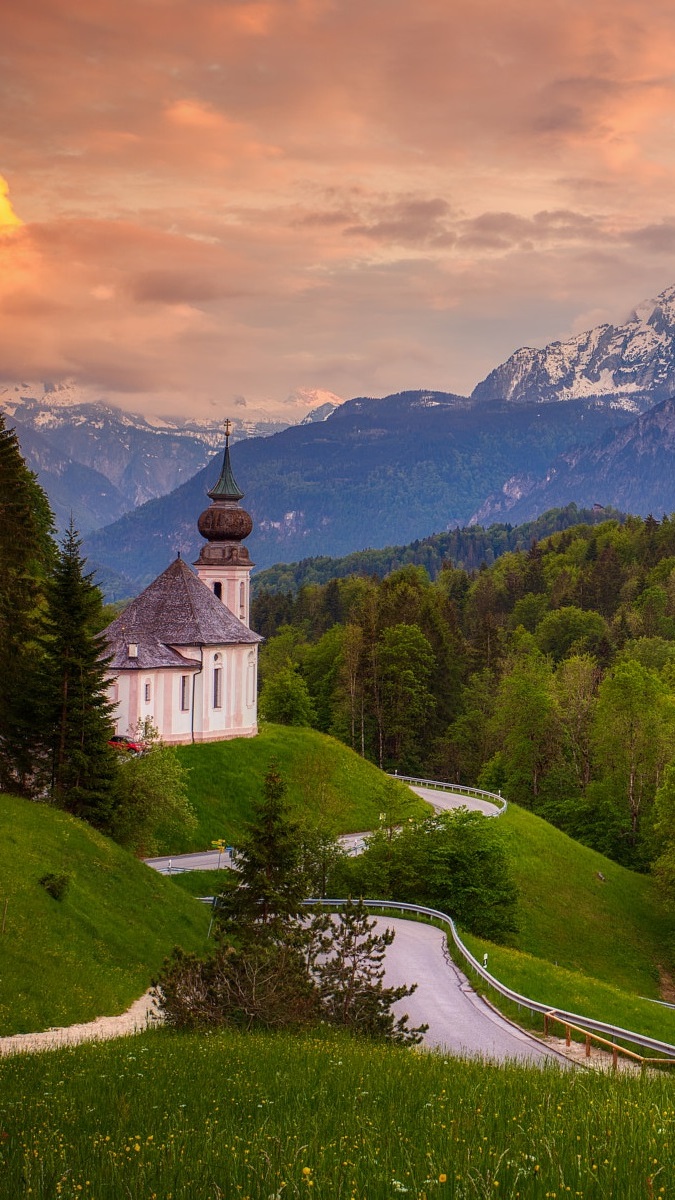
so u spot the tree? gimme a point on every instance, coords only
(27, 553)
(271, 882)
(525, 726)
(633, 738)
(406, 662)
(285, 699)
(150, 794)
(349, 973)
(75, 707)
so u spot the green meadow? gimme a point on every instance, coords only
(184, 1117)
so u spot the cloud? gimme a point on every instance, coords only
(269, 195)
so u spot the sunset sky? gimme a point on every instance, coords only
(212, 203)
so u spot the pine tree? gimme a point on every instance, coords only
(26, 556)
(272, 883)
(75, 709)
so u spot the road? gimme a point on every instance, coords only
(443, 801)
(459, 1020)
(211, 860)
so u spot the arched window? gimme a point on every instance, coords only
(218, 590)
(242, 600)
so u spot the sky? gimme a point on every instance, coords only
(213, 206)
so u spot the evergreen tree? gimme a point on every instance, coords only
(271, 881)
(76, 711)
(26, 555)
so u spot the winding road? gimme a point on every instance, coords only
(459, 1020)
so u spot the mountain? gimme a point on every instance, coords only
(97, 461)
(373, 474)
(631, 366)
(631, 468)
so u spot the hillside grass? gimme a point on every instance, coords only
(571, 991)
(325, 780)
(94, 951)
(261, 1116)
(615, 930)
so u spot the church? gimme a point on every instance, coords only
(183, 655)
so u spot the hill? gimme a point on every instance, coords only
(468, 548)
(375, 473)
(325, 779)
(95, 950)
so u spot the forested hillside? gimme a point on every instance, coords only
(550, 675)
(469, 548)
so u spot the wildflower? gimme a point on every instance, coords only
(307, 1170)
(442, 1178)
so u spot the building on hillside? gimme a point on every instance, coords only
(182, 653)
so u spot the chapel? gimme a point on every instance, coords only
(183, 654)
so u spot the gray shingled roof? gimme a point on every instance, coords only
(151, 653)
(177, 609)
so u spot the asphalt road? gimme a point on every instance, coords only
(459, 1021)
(443, 801)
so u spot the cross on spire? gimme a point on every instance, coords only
(228, 428)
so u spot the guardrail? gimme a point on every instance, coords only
(458, 789)
(568, 1019)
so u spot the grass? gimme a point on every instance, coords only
(613, 929)
(94, 951)
(318, 1115)
(325, 779)
(572, 991)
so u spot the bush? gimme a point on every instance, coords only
(56, 885)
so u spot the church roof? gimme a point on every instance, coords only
(177, 609)
(150, 652)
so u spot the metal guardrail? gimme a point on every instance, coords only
(614, 1031)
(458, 789)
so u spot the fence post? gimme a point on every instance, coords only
(568, 1036)
(588, 1045)
(615, 1057)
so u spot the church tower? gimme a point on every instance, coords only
(224, 564)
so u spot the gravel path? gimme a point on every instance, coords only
(137, 1018)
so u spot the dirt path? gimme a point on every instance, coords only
(142, 1013)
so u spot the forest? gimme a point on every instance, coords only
(548, 675)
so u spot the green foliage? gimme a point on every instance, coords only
(55, 885)
(75, 706)
(271, 884)
(349, 973)
(515, 674)
(26, 557)
(150, 797)
(285, 699)
(457, 862)
(95, 952)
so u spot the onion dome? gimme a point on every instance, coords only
(225, 523)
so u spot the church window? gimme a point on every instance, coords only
(242, 600)
(184, 693)
(218, 590)
(148, 691)
(218, 687)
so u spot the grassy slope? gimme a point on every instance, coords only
(93, 952)
(323, 777)
(614, 930)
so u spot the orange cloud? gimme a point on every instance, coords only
(268, 194)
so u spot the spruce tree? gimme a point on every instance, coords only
(76, 710)
(272, 884)
(27, 554)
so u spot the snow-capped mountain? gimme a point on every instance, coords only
(97, 461)
(631, 366)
